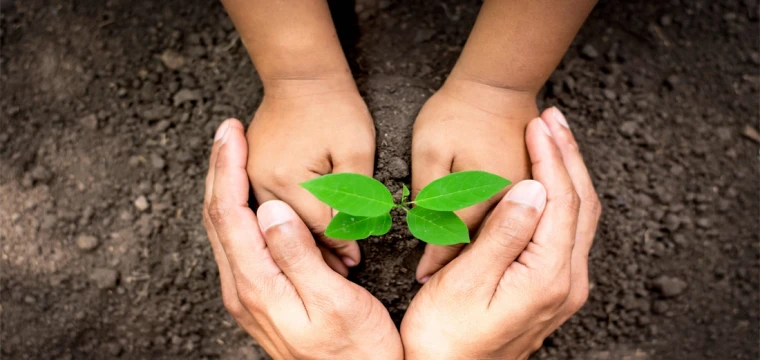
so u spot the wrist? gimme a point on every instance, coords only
(290, 86)
(498, 99)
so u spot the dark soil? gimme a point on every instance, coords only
(107, 115)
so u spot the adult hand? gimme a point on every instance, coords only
(527, 271)
(275, 282)
(302, 130)
(467, 125)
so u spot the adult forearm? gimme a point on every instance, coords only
(289, 40)
(516, 44)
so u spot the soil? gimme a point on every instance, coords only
(108, 110)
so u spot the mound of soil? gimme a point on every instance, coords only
(108, 111)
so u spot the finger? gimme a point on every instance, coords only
(504, 236)
(333, 261)
(555, 234)
(591, 209)
(229, 293)
(340, 266)
(235, 224)
(426, 167)
(317, 215)
(590, 206)
(230, 297)
(434, 259)
(293, 249)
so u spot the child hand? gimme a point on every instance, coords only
(304, 129)
(469, 126)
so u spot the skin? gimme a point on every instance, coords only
(275, 282)
(312, 120)
(525, 273)
(477, 120)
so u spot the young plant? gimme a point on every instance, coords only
(364, 205)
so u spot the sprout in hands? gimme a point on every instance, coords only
(364, 205)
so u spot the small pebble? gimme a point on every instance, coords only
(589, 52)
(628, 128)
(704, 223)
(89, 122)
(141, 203)
(172, 59)
(41, 174)
(104, 278)
(669, 286)
(87, 242)
(157, 162)
(397, 168)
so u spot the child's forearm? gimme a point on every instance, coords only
(290, 40)
(516, 44)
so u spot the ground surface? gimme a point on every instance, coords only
(108, 110)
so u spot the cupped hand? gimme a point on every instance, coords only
(305, 128)
(275, 282)
(467, 125)
(527, 271)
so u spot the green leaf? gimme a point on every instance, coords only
(460, 190)
(353, 194)
(437, 227)
(350, 227)
(404, 193)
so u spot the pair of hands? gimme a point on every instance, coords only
(307, 128)
(523, 275)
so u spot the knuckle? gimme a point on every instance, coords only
(428, 153)
(281, 177)
(554, 293)
(566, 141)
(207, 223)
(247, 299)
(578, 298)
(571, 200)
(289, 251)
(232, 304)
(590, 200)
(362, 152)
(571, 145)
(595, 206)
(335, 305)
(513, 233)
(217, 212)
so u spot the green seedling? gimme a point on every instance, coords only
(364, 205)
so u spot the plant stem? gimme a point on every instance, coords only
(401, 206)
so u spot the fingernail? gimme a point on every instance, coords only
(544, 127)
(273, 213)
(348, 261)
(222, 130)
(424, 279)
(559, 117)
(528, 192)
